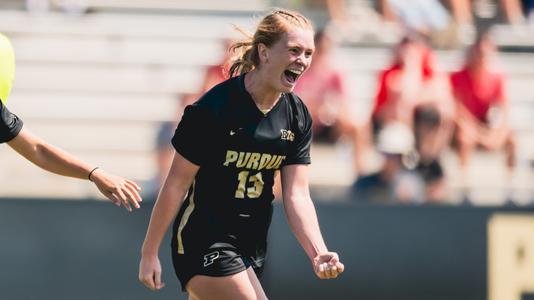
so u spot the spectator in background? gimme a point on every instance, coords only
(162, 148)
(394, 182)
(528, 8)
(429, 145)
(399, 85)
(163, 156)
(429, 19)
(323, 89)
(411, 81)
(218, 73)
(482, 109)
(413, 92)
(422, 16)
(464, 12)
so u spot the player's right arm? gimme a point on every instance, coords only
(170, 199)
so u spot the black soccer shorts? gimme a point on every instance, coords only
(220, 259)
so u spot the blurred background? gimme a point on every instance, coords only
(423, 154)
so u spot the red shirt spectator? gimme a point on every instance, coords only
(392, 90)
(477, 88)
(214, 75)
(324, 87)
(478, 94)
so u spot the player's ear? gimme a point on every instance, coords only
(263, 53)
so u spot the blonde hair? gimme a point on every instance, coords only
(269, 31)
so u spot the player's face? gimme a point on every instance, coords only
(288, 58)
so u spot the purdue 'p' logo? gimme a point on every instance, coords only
(210, 257)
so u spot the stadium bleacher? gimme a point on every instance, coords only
(99, 84)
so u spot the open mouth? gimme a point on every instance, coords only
(292, 75)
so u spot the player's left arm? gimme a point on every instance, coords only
(50, 158)
(303, 221)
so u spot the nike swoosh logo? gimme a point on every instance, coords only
(234, 132)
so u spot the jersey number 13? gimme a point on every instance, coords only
(255, 188)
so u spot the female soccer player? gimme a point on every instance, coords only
(117, 189)
(228, 146)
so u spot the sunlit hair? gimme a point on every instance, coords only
(269, 31)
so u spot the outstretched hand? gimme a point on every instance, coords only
(117, 189)
(327, 265)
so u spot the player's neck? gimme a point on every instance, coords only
(263, 95)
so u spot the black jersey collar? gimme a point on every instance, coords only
(250, 100)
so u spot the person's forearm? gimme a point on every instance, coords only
(49, 157)
(303, 221)
(165, 210)
(60, 162)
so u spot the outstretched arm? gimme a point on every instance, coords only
(170, 199)
(303, 221)
(55, 160)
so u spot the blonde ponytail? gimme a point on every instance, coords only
(269, 31)
(245, 57)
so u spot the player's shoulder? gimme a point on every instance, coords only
(299, 111)
(218, 96)
(297, 104)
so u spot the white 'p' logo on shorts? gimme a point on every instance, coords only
(210, 258)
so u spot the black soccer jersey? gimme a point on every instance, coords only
(10, 124)
(238, 149)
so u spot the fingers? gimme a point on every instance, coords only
(157, 280)
(120, 194)
(152, 280)
(113, 198)
(331, 271)
(133, 197)
(134, 188)
(340, 268)
(328, 271)
(148, 281)
(137, 187)
(328, 265)
(126, 191)
(150, 273)
(334, 260)
(322, 271)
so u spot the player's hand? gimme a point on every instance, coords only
(150, 272)
(117, 189)
(327, 265)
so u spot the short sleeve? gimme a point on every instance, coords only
(300, 149)
(10, 124)
(191, 136)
